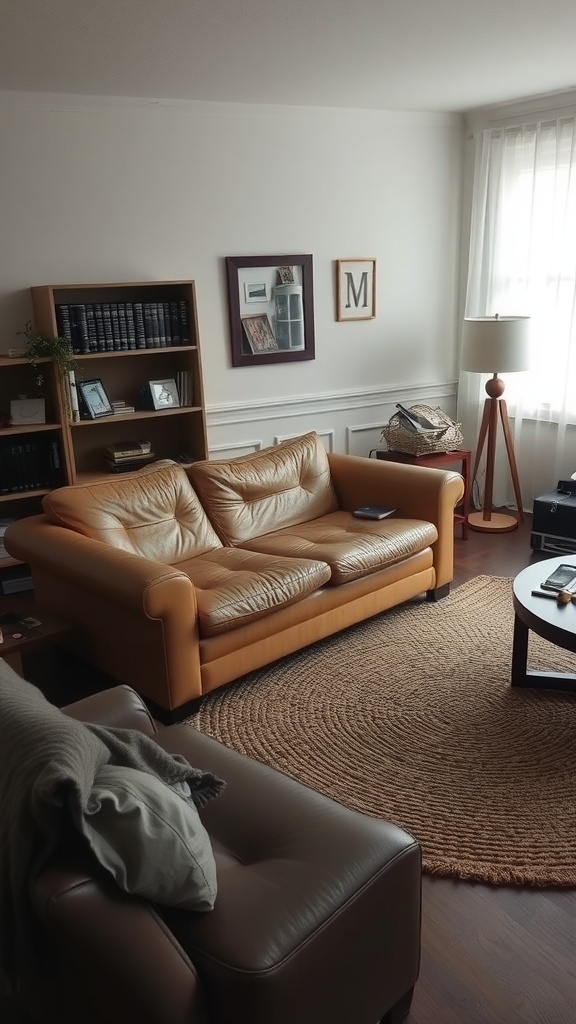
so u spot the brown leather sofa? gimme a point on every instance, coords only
(316, 921)
(179, 581)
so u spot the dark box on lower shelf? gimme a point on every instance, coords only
(15, 579)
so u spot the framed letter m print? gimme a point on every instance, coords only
(356, 289)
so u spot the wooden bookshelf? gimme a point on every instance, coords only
(21, 442)
(173, 432)
(123, 373)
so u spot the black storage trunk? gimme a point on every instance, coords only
(554, 519)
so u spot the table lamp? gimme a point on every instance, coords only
(495, 344)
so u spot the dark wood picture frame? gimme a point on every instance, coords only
(95, 399)
(294, 337)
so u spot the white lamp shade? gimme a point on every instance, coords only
(495, 344)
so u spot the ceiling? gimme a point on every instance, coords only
(413, 55)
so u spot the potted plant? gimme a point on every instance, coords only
(45, 346)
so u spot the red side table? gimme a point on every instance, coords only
(436, 461)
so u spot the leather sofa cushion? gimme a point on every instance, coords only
(352, 547)
(276, 488)
(234, 587)
(154, 513)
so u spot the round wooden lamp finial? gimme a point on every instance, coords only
(494, 387)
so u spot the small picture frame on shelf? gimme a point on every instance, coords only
(95, 401)
(164, 394)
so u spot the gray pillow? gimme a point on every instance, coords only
(149, 836)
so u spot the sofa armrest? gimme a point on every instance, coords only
(115, 960)
(129, 580)
(316, 903)
(134, 618)
(119, 708)
(417, 492)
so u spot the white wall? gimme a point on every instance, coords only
(97, 190)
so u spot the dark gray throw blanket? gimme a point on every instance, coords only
(47, 767)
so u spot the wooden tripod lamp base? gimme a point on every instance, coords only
(497, 523)
(488, 521)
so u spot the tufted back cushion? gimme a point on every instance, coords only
(267, 491)
(154, 513)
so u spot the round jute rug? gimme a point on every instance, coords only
(410, 717)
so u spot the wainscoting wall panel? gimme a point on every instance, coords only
(232, 451)
(349, 422)
(326, 436)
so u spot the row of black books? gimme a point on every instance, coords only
(123, 326)
(122, 457)
(33, 464)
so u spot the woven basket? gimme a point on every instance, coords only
(448, 437)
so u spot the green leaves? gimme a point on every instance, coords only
(45, 346)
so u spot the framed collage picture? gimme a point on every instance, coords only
(271, 308)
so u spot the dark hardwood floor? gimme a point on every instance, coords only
(490, 955)
(496, 955)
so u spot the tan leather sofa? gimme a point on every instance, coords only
(178, 581)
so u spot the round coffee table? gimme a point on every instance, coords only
(547, 618)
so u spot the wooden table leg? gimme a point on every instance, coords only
(466, 498)
(519, 653)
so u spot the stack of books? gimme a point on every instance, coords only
(119, 326)
(124, 456)
(120, 407)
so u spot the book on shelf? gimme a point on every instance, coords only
(122, 326)
(125, 465)
(100, 332)
(174, 314)
(138, 309)
(79, 327)
(184, 322)
(127, 449)
(115, 319)
(29, 464)
(162, 326)
(151, 325)
(183, 383)
(134, 457)
(108, 328)
(130, 325)
(168, 325)
(72, 393)
(121, 407)
(63, 321)
(93, 343)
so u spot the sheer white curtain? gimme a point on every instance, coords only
(523, 262)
